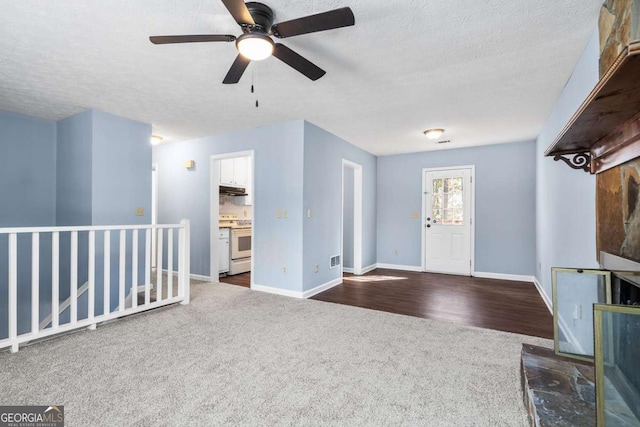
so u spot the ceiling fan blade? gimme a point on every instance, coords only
(237, 69)
(239, 11)
(336, 18)
(297, 62)
(192, 38)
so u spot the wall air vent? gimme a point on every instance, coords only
(334, 261)
(446, 141)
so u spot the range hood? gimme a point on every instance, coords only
(233, 191)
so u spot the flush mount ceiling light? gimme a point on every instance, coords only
(433, 133)
(255, 46)
(156, 139)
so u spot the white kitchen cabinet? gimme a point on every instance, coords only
(240, 171)
(226, 172)
(223, 253)
(234, 172)
(248, 199)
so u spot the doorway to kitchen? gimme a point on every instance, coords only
(351, 243)
(448, 231)
(231, 219)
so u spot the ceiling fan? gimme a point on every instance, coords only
(255, 43)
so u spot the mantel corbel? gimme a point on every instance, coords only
(577, 161)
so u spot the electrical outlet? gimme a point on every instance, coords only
(395, 251)
(285, 214)
(284, 269)
(308, 213)
(416, 215)
(317, 268)
(278, 213)
(139, 211)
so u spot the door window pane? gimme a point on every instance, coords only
(447, 202)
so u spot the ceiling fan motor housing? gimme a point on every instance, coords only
(262, 15)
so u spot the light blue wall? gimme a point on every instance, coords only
(565, 197)
(28, 198)
(28, 171)
(323, 154)
(505, 205)
(278, 155)
(347, 218)
(73, 165)
(121, 170)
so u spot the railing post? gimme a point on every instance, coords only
(13, 291)
(185, 260)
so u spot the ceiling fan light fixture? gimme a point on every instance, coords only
(433, 133)
(255, 46)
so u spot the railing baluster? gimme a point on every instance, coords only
(147, 266)
(184, 268)
(92, 278)
(123, 260)
(35, 283)
(159, 266)
(74, 277)
(13, 291)
(106, 286)
(134, 269)
(170, 263)
(55, 279)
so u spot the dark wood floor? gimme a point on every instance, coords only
(243, 279)
(486, 303)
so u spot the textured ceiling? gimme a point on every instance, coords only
(488, 71)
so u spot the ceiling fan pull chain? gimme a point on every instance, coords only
(252, 90)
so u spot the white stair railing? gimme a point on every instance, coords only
(124, 304)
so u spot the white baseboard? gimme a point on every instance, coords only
(502, 276)
(367, 269)
(544, 296)
(277, 291)
(192, 276)
(321, 288)
(399, 267)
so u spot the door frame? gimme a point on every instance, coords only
(214, 211)
(357, 217)
(472, 238)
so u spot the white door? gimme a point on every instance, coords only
(447, 221)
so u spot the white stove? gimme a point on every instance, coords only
(240, 242)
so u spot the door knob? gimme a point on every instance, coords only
(428, 219)
(428, 225)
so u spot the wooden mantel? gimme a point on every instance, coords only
(605, 131)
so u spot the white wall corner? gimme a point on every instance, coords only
(545, 298)
(322, 288)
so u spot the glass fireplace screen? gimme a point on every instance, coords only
(574, 293)
(617, 363)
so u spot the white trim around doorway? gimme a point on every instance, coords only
(357, 217)
(214, 210)
(472, 240)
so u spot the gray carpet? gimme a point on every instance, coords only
(239, 357)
